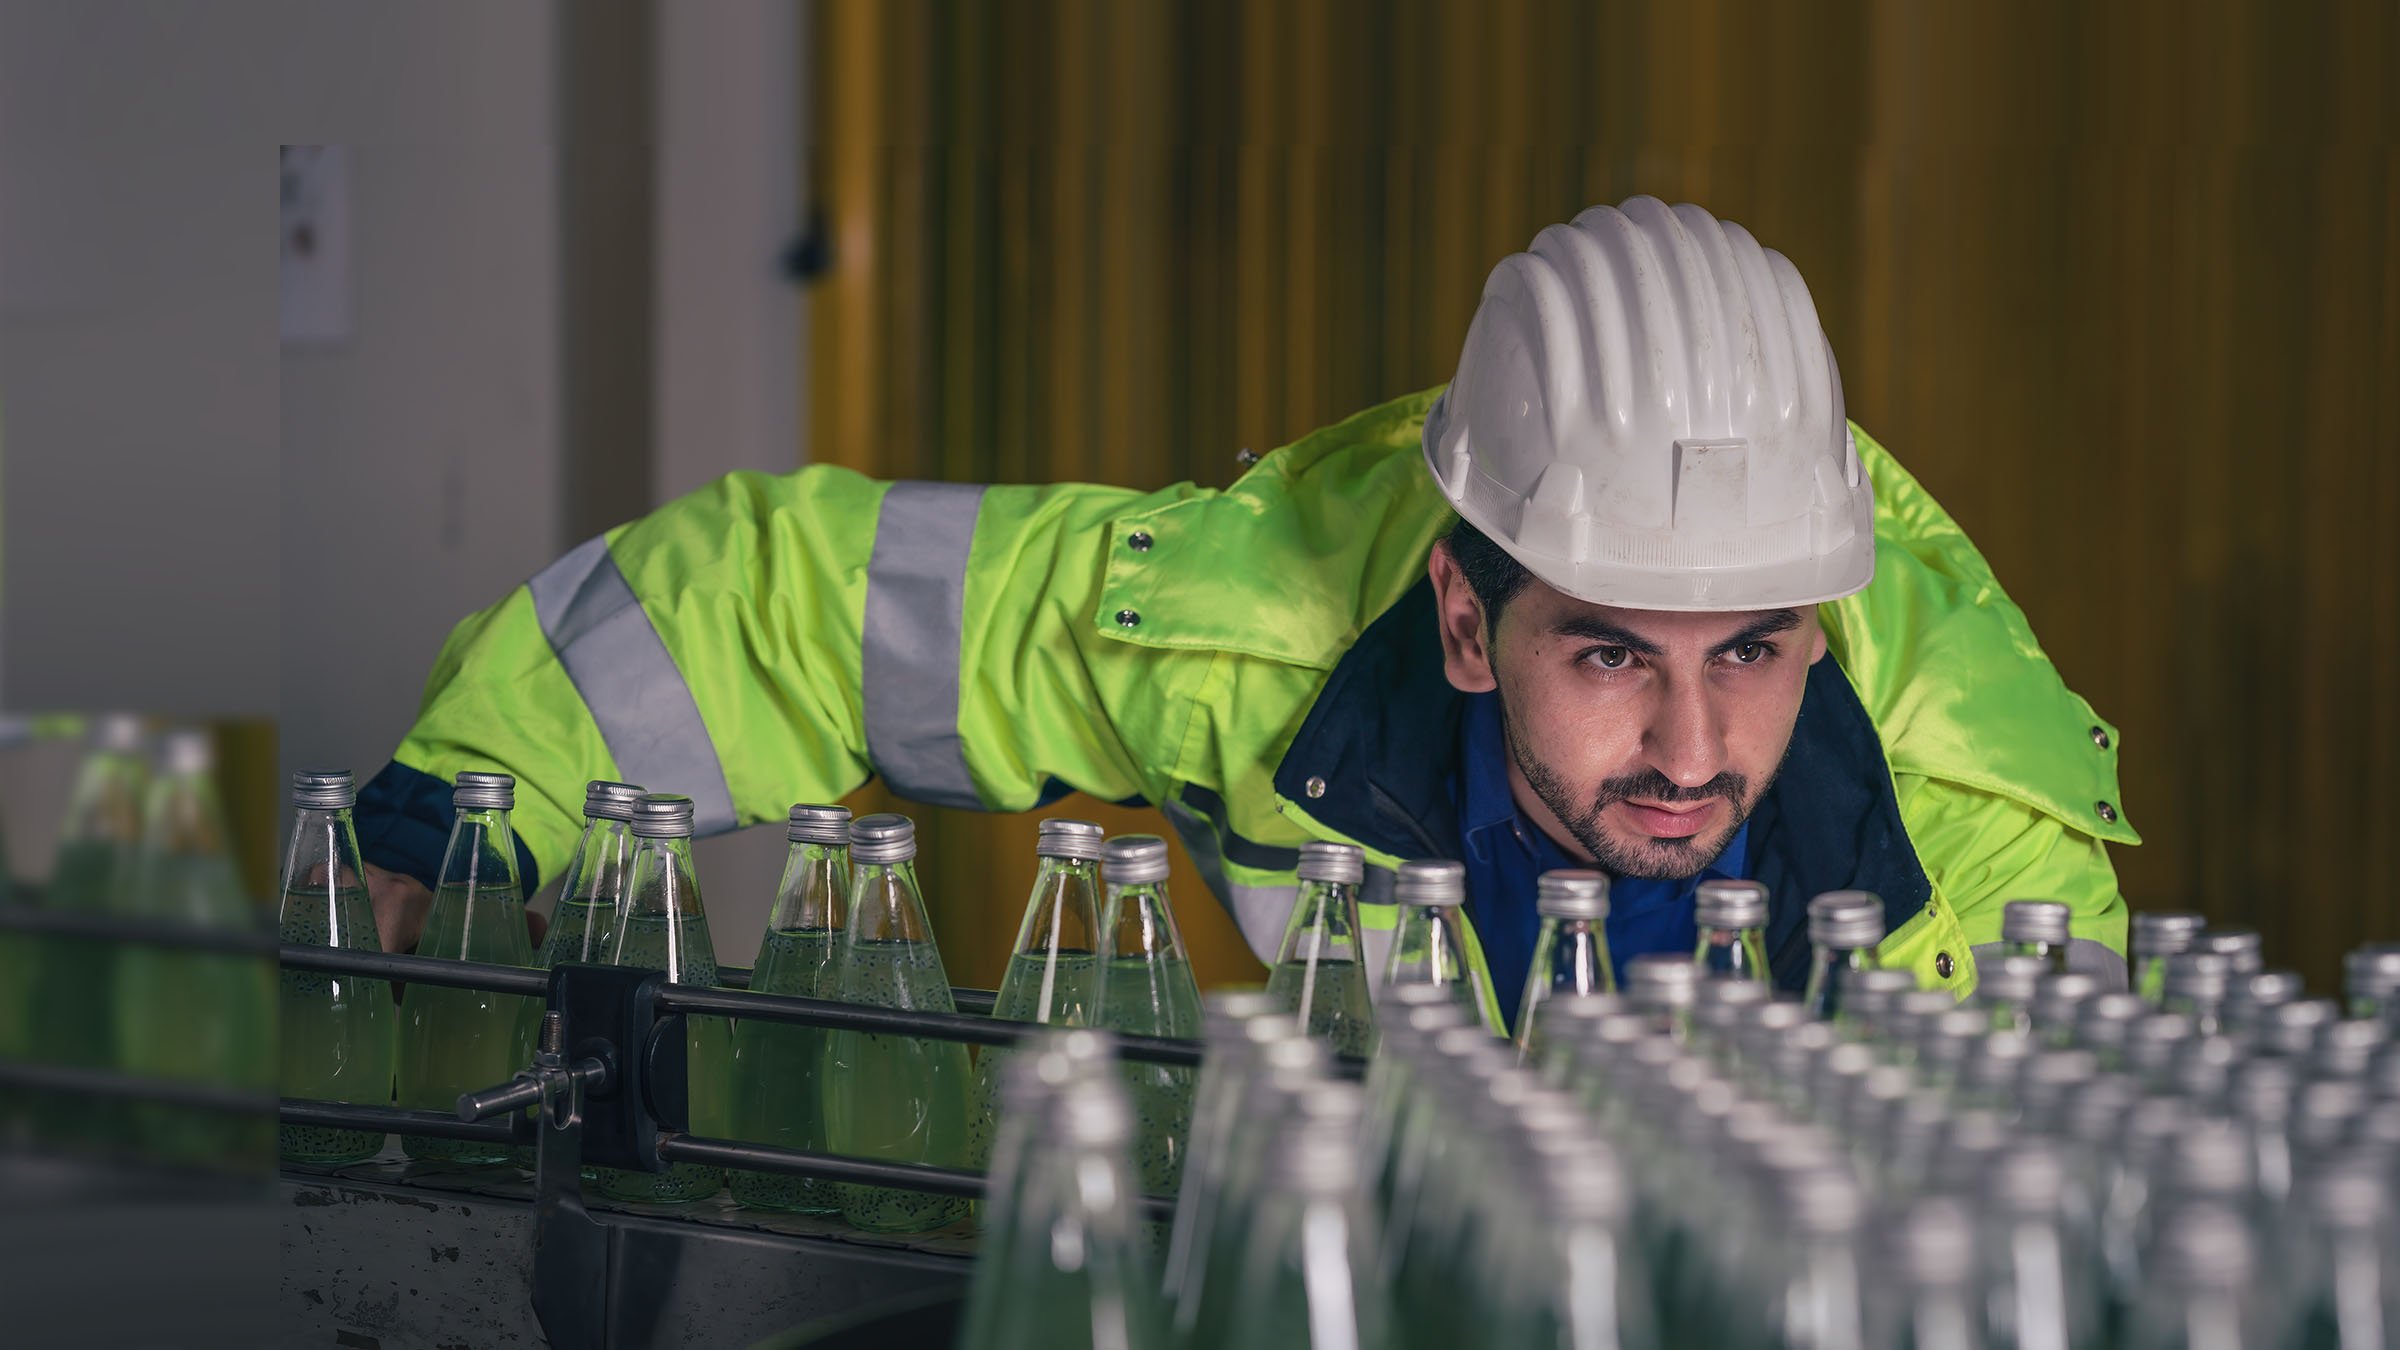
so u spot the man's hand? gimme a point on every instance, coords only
(401, 902)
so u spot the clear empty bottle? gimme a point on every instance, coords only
(592, 893)
(2007, 989)
(1570, 950)
(1929, 1296)
(1732, 916)
(1663, 987)
(1067, 1269)
(200, 1015)
(2195, 986)
(1320, 973)
(1844, 931)
(337, 1032)
(465, 1040)
(1053, 974)
(1205, 1260)
(1147, 989)
(2153, 938)
(890, 1097)
(2338, 1257)
(1566, 1272)
(1310, 1281)
(1429, 936)
(1234, 1023)
(2037, 929)
(664, 927)
(2204, 1292)
(777, 1090)
(2243, 949)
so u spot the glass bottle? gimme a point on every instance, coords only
(1844, 928)
(337, 1032)
(1068, 1269)
(2039, 1263)
(2371, 981)
(665, 928)
(1733, 930)
(2338, 1256)
(2037, 929)
(591, 895)
(1234, 1023)
(1282, 1064)
(1147, 989)
(1565, 1273)
(1052, 1062)
(891, 1097)
(1662, 987)
(192, 1014)
(1320, 973)
(1053, 974)
(2007, 987)
(2153, 938)
(72, 1011)
(1570, 950)
(1928, 1295)
(777, 1088)
(2195, 985)
(2203, 1293)
(1429, 936)
(1310, 1278)
(464, 1040)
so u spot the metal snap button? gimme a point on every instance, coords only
(1246, 457)
(1139, 541)
(2100, 737)
(1127, 618)
(1316, 787)
(2107, 812)
(1943, 965)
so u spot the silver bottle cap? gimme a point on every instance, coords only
(324, 790)
(1078, 840)
(484, 792)
(1933, 1244)
(662, 815)
(2029, 1177)
(828, 825)
(118, 733)
(1134, 860)
(186, 750)
(1571, 893)
(1722, 903)
(883, 838)
(2164, 934)
(2199, 976)
(2034, 921)
(604, 800)
(1661, 980)
(1431, 882)
(2372, 971)
(1345, 864)
(1845, 920)
(2204, 1248)
(2243, 949)
(2060, 996)
(2011, 979)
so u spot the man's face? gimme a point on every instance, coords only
(1638, 739)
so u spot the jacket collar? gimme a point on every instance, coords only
(1379, 747)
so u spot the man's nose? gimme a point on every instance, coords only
(1686, 740)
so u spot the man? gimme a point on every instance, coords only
(1657, 608)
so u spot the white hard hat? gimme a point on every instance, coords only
(1647, 415)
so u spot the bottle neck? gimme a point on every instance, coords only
(603, 862)
(814, 895)
(2053, 955)
(662, 883)
(1571, 957)
(1733, 953)
(885, 904)
(1324, 924)
(482, 856)
(183, 817)
(1139, 924)
(321, 858)
(1063, 912)
(1831, 973)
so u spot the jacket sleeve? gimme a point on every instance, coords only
(1983, 850)
(778, 638)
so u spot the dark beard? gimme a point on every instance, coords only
(1656, 859)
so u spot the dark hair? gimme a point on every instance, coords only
(1494, 576)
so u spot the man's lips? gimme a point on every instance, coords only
(1665, 823)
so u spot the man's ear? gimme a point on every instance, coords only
(1466, 658)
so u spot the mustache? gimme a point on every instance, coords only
(1651, 785)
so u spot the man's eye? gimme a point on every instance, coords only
(1751, 653)
(1611, 658)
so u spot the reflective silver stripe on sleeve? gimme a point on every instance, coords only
(915, 616)
(2084, 957)
(1262, 912)
(629, 682)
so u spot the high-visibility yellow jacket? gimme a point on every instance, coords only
(1261, 662)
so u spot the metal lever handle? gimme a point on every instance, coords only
(514, 1095)
(550, 1074)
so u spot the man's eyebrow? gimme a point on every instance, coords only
(1592, 628)
(1595, 629)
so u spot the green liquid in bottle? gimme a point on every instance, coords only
(897, 1098)
(1032, 984)
(1155, 997)
(464, 1040)
(337, 1033)
(777, 1085)
(1335, 995)
(656, 942)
